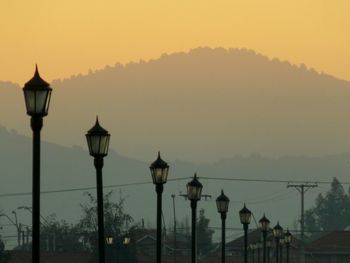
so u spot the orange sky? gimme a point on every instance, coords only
(69, 37)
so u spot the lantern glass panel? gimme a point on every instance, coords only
(222, 206)
(265, 226)
(94, 144)
(277, 232)
(29, 96)
(288, 237)
(245, 218)
(37, 101)
(194, 193)
(126, 241)
(109, 240)
(159, 175)
(42, 101)
(104, 143)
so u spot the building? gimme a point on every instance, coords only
(333, 247)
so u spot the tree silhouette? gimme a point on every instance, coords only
(205, 234)
(331, 211)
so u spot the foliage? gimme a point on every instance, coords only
(116, 220)
(204, 234)
(331, 211)
(60, 236)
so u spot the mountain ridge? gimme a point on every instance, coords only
(202, 105)
(165, 56)
(118, 65)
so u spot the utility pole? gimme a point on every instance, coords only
(302, 189)
(173, 196)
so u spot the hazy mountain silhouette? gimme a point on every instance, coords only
(72, 167)
(203, 105)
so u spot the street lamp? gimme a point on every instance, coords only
(37, 94)
(288, 240)
(277, 233)
(98, 143)
(265, 227)
(245, 216)
(222, 204)
(194, 192)
(159, 171)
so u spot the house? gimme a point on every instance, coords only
(333, 247)
(235, 248)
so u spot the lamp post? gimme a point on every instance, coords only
(265, 227)
(281, 248)
(159, 171)
(268, 245)
(288, 240)
(259, 251)
(222, 205)
(252, 249)
(194, 192)
(277, 233)
(37, 94)
(245, 216)
(98, 143)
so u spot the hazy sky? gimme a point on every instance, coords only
(69, 37)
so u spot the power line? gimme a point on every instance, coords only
(270, 180)
(176, 179)
(86, 188)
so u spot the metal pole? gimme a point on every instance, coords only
(277, 249)
(281, 253)
(98, 162)
(173, 196)
(36, 125)
(264, 246)
(159, 190)
(223, 237)
(19, 230)
(287, 253)
(27, 238)
(253, 255)
(194, 237)
(302, 247)
(23, 239)
(258, 253)
(245, 227)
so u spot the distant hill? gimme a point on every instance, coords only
(72, 167)
(202, 105)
